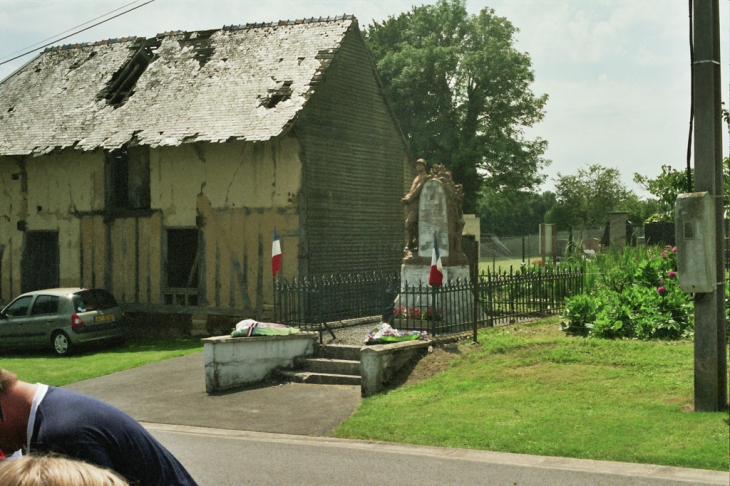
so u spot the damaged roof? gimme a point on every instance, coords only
(244, 82)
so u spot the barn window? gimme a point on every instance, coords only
(128, 178)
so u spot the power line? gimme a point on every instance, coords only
(69, 30)
(78, 31)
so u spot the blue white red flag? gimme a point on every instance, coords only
(437, 270)
(275, 255)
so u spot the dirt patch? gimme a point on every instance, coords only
(437, 360)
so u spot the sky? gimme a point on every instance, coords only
(617, 72)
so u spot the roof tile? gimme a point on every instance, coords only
(199, 86)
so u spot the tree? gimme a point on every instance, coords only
(671, 183)
(665, 188)
(584, 199)
(461, 93)
(517, 213)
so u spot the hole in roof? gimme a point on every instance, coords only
(280, 93)
(201, 45)
(79, 62)
(121, 86)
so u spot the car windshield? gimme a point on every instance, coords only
(94, 299)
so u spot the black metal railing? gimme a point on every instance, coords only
(527, 292)
(500, 297)
(447, 309)
(307, 302)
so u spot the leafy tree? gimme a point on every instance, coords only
(665, 188)
(671, 183)
(517, 213)
(584, 199)
(461, 93)
(640, 210)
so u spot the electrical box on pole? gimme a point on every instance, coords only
(695, 237)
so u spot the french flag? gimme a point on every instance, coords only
(275, 255)
(437, 270)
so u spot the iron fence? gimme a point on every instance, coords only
(308, 302)
(527, 292)
(448, 309)
(457, 306)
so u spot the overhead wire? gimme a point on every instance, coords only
(79, 31)
(691, 97)
(69, 30)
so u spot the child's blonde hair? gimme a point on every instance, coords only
(54, 470)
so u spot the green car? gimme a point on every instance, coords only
(61, 319)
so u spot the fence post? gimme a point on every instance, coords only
(433, 310)
(320, 298)
(277, 313)
(523, 248)
(475, 285)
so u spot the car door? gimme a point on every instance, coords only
(43, 319)
(12, 320)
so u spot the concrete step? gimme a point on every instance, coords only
(338, 351)
(320, 378)
(332, 366)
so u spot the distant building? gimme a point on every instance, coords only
(158, 168)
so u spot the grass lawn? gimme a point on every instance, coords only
(43, 367)
(530, 389)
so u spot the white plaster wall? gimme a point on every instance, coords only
(472, 226)
(11, 207)
(64, 183)
(230, 175)
(232, 362)
(57, 186)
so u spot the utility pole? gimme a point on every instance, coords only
(710, 359)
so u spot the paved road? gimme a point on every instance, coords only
(266, 435)
(224, 457)
(173, 392)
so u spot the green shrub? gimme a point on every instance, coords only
(637, 299)
(579, 315)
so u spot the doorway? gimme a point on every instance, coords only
(39, 264)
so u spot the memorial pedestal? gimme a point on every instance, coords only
(453, 303)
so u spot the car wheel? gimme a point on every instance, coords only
(61, 343)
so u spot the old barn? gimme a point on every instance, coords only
(157, 168)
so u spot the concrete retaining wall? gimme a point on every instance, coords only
(234, 362)
(379, 362)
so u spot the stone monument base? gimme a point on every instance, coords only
(453, 305)
(418, 274)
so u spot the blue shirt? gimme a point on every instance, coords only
(84, 428)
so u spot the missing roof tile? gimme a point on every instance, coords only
(276, 95)
(203, 47)
(121, 85)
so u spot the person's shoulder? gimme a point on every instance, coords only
(60, 401)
